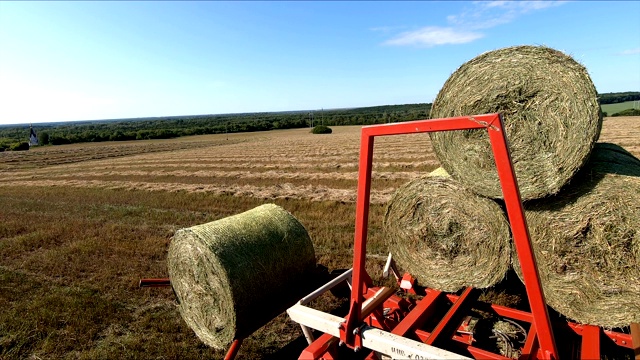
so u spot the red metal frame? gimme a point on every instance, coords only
(492, 123)
(405, 317)
(233, 349)
(164, 282)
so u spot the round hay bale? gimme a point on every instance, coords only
(550, 111)
(587, 241)
(446, 236)
(233, 275)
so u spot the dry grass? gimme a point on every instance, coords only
(73, 249)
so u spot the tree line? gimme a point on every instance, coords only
(614, 98)
(14, 137)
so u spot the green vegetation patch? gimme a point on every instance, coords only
(612, 109)
(321, 129)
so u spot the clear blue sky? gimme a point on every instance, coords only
(63, 61)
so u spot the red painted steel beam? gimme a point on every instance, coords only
(590, 348)
(521, 238)
(618, 338)
(635, 339)
(446, 323)
(354, 318)
(154, 283)
(432, 125)
(493, 124)
(462, 342)
(500, 310)
(422, 334)
(530, 348)
(483, 354)
(318, 348)
(233, 349)
(423, 310)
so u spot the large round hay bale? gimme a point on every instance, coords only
(233, 275)
(550, 110)
(587, 241)
(446, 236)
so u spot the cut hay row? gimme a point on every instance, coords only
(587, 241)
(47, 156)
(292, 162)
(279, 191)
(256, 168)
(550, 112)
(233, 275)
(271, 174)
(289, 160)
(446, 236)
(225, 165)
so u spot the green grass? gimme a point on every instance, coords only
(611, 109)
(72, 258)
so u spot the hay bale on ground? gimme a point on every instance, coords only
(587, 241)
(447, 236)
(233, 275)
(550, 111)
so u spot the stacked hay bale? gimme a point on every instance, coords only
(587, 241)
(233, 275)
(550, 111)
(552, 121)
(447, 236)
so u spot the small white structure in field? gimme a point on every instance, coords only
(33, 138)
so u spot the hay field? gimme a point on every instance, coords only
(268, 165)
(81, 224)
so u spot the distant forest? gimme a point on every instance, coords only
(614, 98)
(14, 137)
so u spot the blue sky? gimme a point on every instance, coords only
(64, 61)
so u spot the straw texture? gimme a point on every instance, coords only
(587, 241)
(550, 110)
(233, 275)
(447, 236)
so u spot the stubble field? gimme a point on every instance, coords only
(81, 224)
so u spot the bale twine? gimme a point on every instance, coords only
(233, 275)
(587, 241)
(550, 111)
(447, 236)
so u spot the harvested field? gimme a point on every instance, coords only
(267, 165)
(81, 224)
